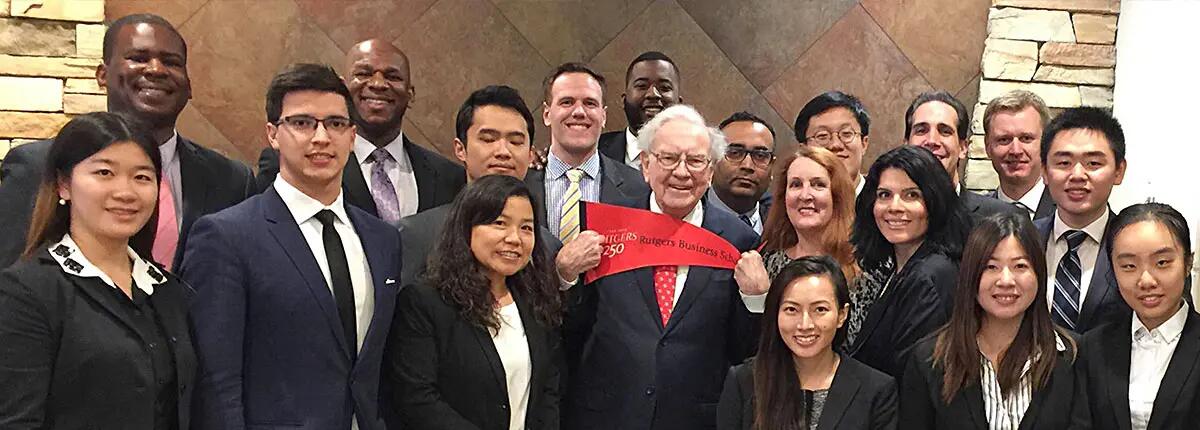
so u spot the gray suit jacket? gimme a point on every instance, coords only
(619, 184)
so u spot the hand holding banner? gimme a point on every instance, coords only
(635, 238)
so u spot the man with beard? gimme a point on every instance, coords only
(389, 176)
(1012, 125)
(743, 174)
(144, 73)
(651, 85)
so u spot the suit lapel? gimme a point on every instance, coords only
(698, 276)
(168, 305)
(539, 356)
(193, 173)
(91, 287)
(610, 183)
(493, 358)
(1116, 383)
(285, 231)
(355, 186)
(842, 390)
(427, 178)
(973, 395)
(1061, 372)
(1103, 283)
(1179, 372)
(643, 279)
(536, 181)
(374, 248)
(1046, 206)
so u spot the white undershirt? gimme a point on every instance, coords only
(1088, 252)
(632, 150)
(513, 348)
(402, 176)
(1031, 199)
(1149, 357)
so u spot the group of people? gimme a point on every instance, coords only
(360, 281)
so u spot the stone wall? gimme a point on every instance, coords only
(1063, 50)
(49, 50)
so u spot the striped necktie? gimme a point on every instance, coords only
(1067, 301)
(568, 217)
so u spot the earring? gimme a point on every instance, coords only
(62, 202)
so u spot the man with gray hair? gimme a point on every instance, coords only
(1012, 126)
(659, 340)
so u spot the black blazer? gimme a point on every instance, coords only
(922, 408)
(438, 179)
(1103, 373)
(980, 206)
(859, 398)
(612, 145)
(1103, 302)
(1045, 208)
(619, 184)
(68, 360)
(916, 303)
(448, 375)
(211, 182)
(628, 371)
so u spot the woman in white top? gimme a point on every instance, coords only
(999, 363)
(1142, 372)
(475, 344)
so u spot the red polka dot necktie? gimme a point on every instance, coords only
(664, 290)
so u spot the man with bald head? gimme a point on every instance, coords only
(389, 176)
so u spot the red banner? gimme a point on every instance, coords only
(635, 238)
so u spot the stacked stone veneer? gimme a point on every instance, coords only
(1062, 50)
(49, 50)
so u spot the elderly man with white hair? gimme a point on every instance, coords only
(654, 344)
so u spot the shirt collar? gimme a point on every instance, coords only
(556, 168)
(1095, 230)
(1030, 199)
(1169, 330)
(303, 207)
(632, 149)
(168, 149)
(363, 149)
(71, 260)
(695, 217)
(861, 182)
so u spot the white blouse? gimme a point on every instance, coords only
(1150, 355)
(513, 348)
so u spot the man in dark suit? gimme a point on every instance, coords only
(940, 123)
(649, 348)
(145, 75)
(1082, 159)
(651, 85)
(1012, 125)
(295, 289)
(742, 175)
(388, 175)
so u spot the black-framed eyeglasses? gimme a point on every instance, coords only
(308, 123)
(760, 157)
(823, 138)
(670, 160)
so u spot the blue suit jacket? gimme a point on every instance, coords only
(1103, 302)
(630, 371)
(270, 345)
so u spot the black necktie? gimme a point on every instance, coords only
(746, 220)
(339, 276)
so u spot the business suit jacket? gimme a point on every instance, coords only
(619, 184)
(438, 179)
(860, 398)
(628, 371)
(917, 302)
(448, 374)
(211, 182)
(68, 360)
(1045, 207)
(980, 206)
(922, 408)
(1103, 373)
(612, 145)
(1103, 302)
(271, 347)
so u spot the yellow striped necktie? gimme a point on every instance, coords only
(568, 218)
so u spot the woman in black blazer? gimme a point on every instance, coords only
(1141, 371)
(92, 334)
(909, 228)
(475, 344)
(1000, 363)
(797, 380)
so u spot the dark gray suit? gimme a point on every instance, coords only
(1103, 302)
(612, 145)
(619, 184)
(980, 206)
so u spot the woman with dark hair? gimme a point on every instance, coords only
(797, 380)
(814, 219)
(909, 228)
(476, 341)
(1141, 372)
(92, 333)
(1000, 363)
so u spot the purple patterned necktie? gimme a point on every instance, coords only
(382, 189)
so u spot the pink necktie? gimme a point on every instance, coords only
(166, 239)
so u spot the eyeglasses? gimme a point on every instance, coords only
(823, 138)
(761, 157)
(308, 123)
(669, 161)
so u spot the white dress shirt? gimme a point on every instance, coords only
(861, 182)
(1005, 412)
(1088, 251)
(170, 169)
(402, 176)
(513, 348)
(632, 150)
(1030, 200)
(1149, 356)
(755, 303)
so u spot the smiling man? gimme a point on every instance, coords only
(651, 85)
(838, 122)
(389, 176)
(1012, 124)
(743, 173)
(145, 75)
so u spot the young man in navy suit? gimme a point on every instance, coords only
(295, 288)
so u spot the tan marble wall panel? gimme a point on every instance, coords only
(943, 38)
(350, 22)
(176, 12)
(570, 30)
